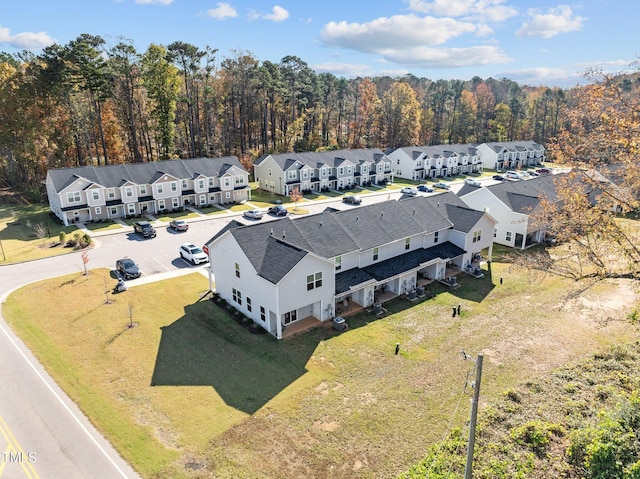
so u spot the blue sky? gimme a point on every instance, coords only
(532, 42)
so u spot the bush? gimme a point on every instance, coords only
(62, 237)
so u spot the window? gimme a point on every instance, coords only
(174, 185)
(290, 317)
(495, 232)
(248, 304)
(210, 182)
(269, 171)
(305, 173)
(263, 314)
(239, 180)
(477, 235)
(435, 236)
(398, 161)
(407, 243)
(98, 210)
(338, 263)
(227, 182)
(73, 197)
(113, 211)
(203, 199)
(95, 194)
(160, 188)
(375, 254)
(237, 295)
(341, 171)
(237, 270)
(161, 204)
(184, 184)
(314, 281)
(201, 184)
(291, 175)
(131, 208)
(508, 236)
(227, 195)
(111, 193)
(175, 202)
(128, 191)
(143, 190)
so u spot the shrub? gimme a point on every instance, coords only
(62, 237)
(536, 435)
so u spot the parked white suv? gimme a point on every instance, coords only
(472, 182)
(190, 252)
(513, 175)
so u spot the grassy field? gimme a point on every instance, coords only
(187, 392)
(19, 240)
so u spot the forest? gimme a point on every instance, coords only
(85, 103)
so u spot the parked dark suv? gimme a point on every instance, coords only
(144, 229)
(278, 210)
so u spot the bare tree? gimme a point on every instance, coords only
(295, 196)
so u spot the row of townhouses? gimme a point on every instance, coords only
(290, 270)
(342, 169)
(90, 193)
(322, 171)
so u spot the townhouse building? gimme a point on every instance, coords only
(288, 270)
(93, 193)
(511, 155)
(437, 161)
(322, 171)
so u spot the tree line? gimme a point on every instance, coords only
(86, 103)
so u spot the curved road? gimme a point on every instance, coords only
(42, 432)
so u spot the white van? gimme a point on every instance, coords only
(513, 176)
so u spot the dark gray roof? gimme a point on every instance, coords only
(335, 233)
(332, 158)
(114, 176)
(350, 278)
(412, 260)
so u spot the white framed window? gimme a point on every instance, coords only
(338, 263)
(161, 204)
(111, 193)
(376, 252)
(227, 182)
(160, 188)
(435, 236)
(98, 210)
(237, 295)
(237, 270)
(74, 197)
(269, 171)
(175, 202)
(203, 199)
(314, 281)
(508, 236)
(227, 195)
(477, 235)
(290, 317)
(174, 186)
(407, 243)
(495, 232)
(248, 304)
(95, 194)
(184, 184)
(143, 190)
(239, 180)
(113, 212)
(131, 208)
(128, 191)
(341, 171)
(263, 314)
(210, 182)
(201, 184)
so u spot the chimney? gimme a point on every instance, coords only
(284, 234)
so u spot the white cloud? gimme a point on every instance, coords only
(154, 2)
(25, 40)
(425, 57)
(350, 70)
(223, 10)
(488, 10)
(278, 14)
(399, 31)
(546, 25)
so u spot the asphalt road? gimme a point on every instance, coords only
(42, 432)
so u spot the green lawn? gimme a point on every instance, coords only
(19, 230)
(189, 393)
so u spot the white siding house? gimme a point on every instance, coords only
(284, 271)
(94, 193)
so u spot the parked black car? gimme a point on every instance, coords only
(352, 200)
(498, 177)
(128, 268)
(424, 189)
(144, 229)
(278, 210)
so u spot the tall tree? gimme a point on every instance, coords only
(400, 115)
(162, 82)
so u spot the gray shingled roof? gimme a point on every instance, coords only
(524, 196)
(114, 176)
(332, 158)
(335, 233)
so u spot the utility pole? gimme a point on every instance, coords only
(468, 470)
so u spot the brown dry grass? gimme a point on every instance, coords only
(322, 404)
